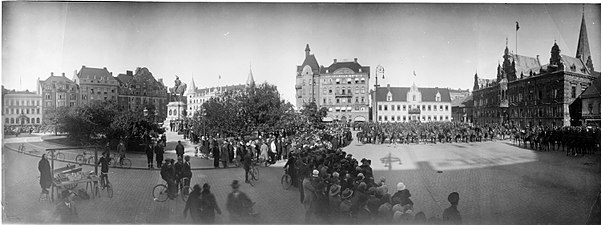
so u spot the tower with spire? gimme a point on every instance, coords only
(250, 81)
(583, 52)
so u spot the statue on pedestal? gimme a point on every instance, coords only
(177, 92)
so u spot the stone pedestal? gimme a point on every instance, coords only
(174, 115)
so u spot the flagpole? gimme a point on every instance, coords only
(517, 27)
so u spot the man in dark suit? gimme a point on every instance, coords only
(215, 154)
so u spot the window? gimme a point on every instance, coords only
(404, 118)
(379, 107)
(385, 118)
(413, 97)
(389, 98)
(392, 108)
(435, 108)
(446, 108)
(348, 80)
(429, 108)
(573, 91)
(12, 120)
(337, 101)
(404, 107)
(429, 118)
(324, 101)
(337, 80)
(27, 111)
(385, 107)
(362, 99)
(6, 120)
(379, 118)
(91, 91)
(330, 91)
(362, 90)
(392, 118)
(446, 117)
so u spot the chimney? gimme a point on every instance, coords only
(51, 74)
(335, 60)
(63, 74)
(104, 68)
(388, 85)
(129, 73)
(538, 60)
(355, 59)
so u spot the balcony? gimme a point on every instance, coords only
(344, 95)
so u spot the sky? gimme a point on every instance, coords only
(445, 44)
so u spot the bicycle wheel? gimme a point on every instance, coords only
(185, 193)
(126, 163)
(60, 156)
(286, 181)
(159, 192)
(255, 173)
(109, 190)
(79, 159)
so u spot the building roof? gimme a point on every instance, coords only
(93, 73)
(312, 62)
(573, 64)
(399, 94)
(594, 91)
(224, 88)
(353, 65)
(58, 79)
(525, 65)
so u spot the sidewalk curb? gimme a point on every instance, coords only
(132, 168)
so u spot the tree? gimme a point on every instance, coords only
(243, 113)
(314, 115)
(52, 119)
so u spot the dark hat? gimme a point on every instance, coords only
(453, 197)
(206, 186)
(235, 184)
(363, 159)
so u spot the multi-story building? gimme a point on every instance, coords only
(197, 96)
(591, 104)
(404, 104)
(96, 84)
(22, 109)
(528, 93)
(58, 91)
(140, 90)
(459, 94)
(462, 109)
(342, 87)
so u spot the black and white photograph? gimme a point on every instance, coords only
(137, 112)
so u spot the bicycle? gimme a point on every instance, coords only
(253, 172)
(108, 186)
(286, 180)
(84, 157)
(58, 156)
(160, 193)
(123, 163)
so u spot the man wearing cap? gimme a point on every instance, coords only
(224, 153)
(238, 203)
(65, 211)
(159, 151)
(451, 215)
(334, 202)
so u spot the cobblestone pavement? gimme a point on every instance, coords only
(498, 183)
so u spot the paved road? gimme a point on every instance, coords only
(498, 184)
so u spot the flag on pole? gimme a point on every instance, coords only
(219, 76)
(414, 74)
(517, 26)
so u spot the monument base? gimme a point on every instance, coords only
(174, 115)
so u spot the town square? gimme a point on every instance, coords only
(300, 113)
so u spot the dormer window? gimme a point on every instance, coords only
(389, 97)
(438, 96)
(414, 98)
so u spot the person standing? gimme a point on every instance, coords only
(159, 150)
(278, 146)
(179, 149)
(168, 175)
(104, 170)
(45, 174)
(193, 204)
(225, 154)
(264, 151)
(231, 152)
(121, 151)
(208, 205)
(451, 215)
(148, 148)
(187, 170)
(310, 197)
(65, 211)
(216, 157)
(238, 203)
(246, 163)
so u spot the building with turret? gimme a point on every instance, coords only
(342, 87)
(527, 92)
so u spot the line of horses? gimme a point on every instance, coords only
(572, 140)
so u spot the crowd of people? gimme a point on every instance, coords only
(575, 141)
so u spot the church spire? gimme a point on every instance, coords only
(307, 51)
(583, 52)
(192, 87)
(250, 82)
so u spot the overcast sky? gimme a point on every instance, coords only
(445, 44)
